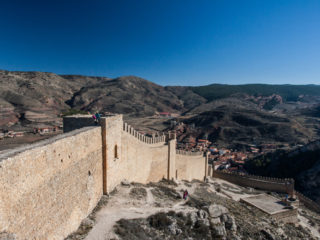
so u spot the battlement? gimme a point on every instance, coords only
(259, 182)
(54, 184)
(74, 122)
(143, 138)
(48, 187)
(188, 153)
(257, 177)
(307, 202)
(283, 185)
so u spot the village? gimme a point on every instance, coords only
(222, 158)
(37, 130)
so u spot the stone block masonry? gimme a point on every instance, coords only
(74, 122)
(273, 207)
(308, 202)
(259, 182)
(190, 167)
(47, 188)
(265, 183)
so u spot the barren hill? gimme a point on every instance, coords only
(126, 95)
(228, 113)
(230, 126)
(31, 98)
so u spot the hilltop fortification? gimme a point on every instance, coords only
(47, 188)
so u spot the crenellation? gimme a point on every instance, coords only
(71, 172)
(188, 153)
(265, 183)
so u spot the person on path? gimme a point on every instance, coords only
(185, 195)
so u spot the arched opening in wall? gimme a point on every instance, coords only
(116, 151)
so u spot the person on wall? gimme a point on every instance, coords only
(94, 117)
(98, 116)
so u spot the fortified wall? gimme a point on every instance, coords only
(259, 182)
(47, 188)
(280, 185)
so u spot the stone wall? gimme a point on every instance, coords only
(47, 188)
(266, 183)
(74, 122)
(307, 202)
(112, 155)
(144, 159)
(259, 182)
(140, 161)
(143, 138)
(190, 167)
(144, 162)
(287, 216)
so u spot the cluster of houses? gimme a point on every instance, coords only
(166, 115)
(45, 130)
(194, 145)
(10, 134)
(222, 158)
(225, 159)
(38, 130)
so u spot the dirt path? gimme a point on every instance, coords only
(122, 206)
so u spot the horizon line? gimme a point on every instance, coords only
(97, 76)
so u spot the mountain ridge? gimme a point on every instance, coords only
(25, 97)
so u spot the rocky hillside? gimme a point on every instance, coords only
(212, 211)
(244, 125)
(286, 91)
(244, 113)
(33, 98)
(127, 95)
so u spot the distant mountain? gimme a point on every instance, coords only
(248, 112)
(127, 95)
(36, 98)
(229, 115)
(234, 124)
(287, 92)
(29, 99)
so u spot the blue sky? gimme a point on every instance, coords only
(180, 42)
